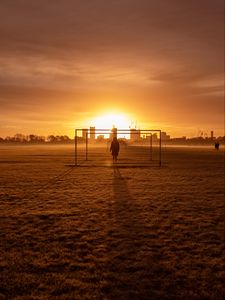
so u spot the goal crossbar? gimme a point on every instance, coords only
(88, 132)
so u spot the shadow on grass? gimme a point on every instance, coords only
(131, 270)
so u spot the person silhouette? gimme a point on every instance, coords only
(217, 146)
(115, 148)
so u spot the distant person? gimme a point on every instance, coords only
(217, 146)
(115, 148)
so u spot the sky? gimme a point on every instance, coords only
(64, 63)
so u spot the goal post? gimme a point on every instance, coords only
(90, 138)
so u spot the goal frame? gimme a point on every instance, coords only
(118, 131)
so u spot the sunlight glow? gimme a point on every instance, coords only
(107, 121)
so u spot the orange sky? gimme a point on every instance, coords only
(63, 63)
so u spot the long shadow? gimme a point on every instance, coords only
(126, 212)
(129, 257)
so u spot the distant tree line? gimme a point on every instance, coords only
(64, 139)
(196, 140)
(36, 139)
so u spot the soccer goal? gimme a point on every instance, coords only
(137, 147)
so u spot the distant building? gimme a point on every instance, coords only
(152, 138)
(212, 136)
(135, 135)
(165, 136)
(100, 138)
(182, 139)
(113, 133)
(84, 133)
(92, 133)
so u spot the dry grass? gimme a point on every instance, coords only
(111, 233)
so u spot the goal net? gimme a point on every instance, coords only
(137, 147)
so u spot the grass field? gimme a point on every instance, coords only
(109, 232)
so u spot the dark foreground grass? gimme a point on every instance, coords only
(111, 233)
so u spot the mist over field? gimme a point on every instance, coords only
(103, 231)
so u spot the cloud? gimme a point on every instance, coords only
(76, 53)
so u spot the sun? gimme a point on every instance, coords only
(110, 120)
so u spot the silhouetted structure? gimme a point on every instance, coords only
(92, 134)
(165, 136)
(113, 133)
(135, 135)
(84, 133)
